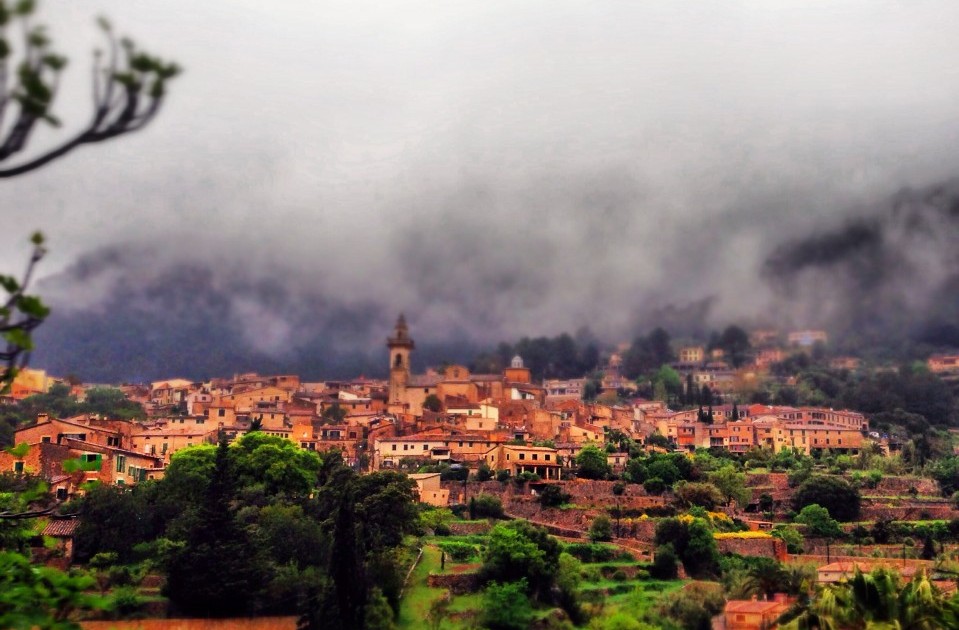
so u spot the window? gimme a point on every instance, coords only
(45, 439)
(200, 420)
(522, 455)
(394, 447)
(547, 457)
(221, 412)
(535, 456)
(121, 463)
(18, 467)
(461, 445)
(425, 446)
(61, 494)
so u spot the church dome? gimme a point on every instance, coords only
(517, 362)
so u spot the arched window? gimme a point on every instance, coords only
(399, 361)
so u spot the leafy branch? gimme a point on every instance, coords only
(128, 88)
(20, 314)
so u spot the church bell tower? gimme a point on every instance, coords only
(400, 345)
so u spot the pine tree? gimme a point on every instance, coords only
(735, 412)
(217, 571)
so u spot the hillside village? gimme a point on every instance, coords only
(606, 465)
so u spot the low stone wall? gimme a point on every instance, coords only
(894, 486)
(465, 529)
(764, 547)
(907, 510)
(457, 583)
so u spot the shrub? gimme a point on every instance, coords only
(553, 496)
(654, 485)
(619, 576)
(619, 488)
(790, 536)
(586, 552)
(502, 476)
(664, 563)
(484, 473)
(601, 529)
(487, 506)
(458, 551)
(836, 495)
(126, 602)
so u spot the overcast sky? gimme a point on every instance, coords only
(526, 167)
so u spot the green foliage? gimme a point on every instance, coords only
(665, 561)
(553, 496)
(506, 606)
(878, 600)
(591, 552)
(732, 485)
(563, 356)
(647, 354)
(519, 549)
(487, 506)
(835, 494)
(19, 493)
(705, 495)
(435, 517)
(458, 551)
(591, 463)
(790, 536)
(378, 614)
(818, 522)
(601, 529)
(433, 403)
(693, 543)
(636, 470)
(484, 473)
(693, 607)
(42, 597)
(654, 485)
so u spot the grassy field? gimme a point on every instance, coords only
(418, 596)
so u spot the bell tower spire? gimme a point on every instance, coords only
(400, 346)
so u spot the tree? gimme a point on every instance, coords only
(601, 529)
(334, 414)
(591, 463)
(705, 495)
(553, 496)
(128, 90)
(790, 536)
(664, 563)
(506, 606)
(734, 343)
(876, 600)
(693, 543)
(433, 403)
(732, 484)
(519, 549)
(218, 561)
(818, 522)
(835, 494)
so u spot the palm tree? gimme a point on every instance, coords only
(875, 601)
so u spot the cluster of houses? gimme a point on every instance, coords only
(455, 417)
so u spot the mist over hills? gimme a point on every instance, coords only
(887, 276)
